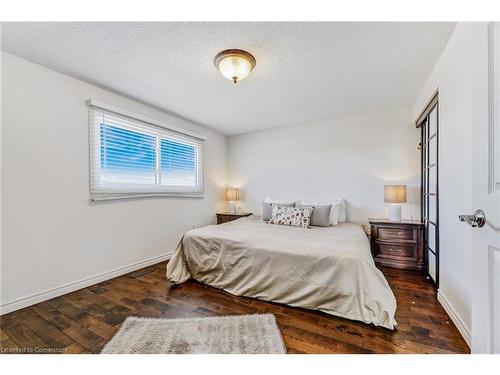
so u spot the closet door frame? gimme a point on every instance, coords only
(423, 123)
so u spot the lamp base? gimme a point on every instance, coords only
(394, 212)
(232, 207)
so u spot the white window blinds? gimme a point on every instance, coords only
(131, 156)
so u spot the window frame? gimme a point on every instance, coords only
(148, 127)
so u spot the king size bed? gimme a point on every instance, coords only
(322, 268)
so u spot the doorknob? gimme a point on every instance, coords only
(477, 220)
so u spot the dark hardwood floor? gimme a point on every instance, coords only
(83, 321)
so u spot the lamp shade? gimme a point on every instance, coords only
(395, 193)
(232, 194)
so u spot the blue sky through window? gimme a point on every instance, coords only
(178, 163)
(123, 149)
(128, 156)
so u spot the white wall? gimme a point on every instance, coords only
(350, 157)
(52, 235)
(453, 75)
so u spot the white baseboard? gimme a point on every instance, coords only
(71, 287)
(459, 323)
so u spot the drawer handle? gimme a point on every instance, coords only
(397, 233)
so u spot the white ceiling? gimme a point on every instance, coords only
(305, 71)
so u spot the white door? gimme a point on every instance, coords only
(485, 252)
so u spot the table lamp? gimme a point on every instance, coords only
(395, 195)
(232, 195)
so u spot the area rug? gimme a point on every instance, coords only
(239, 334)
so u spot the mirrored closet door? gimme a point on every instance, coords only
(429, 124)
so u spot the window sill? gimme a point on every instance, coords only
(108, 197)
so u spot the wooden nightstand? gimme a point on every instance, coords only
(398, 244)
(224, 217)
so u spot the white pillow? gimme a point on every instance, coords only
(343, 210)
(335, 214)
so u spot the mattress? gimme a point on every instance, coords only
(327, 269)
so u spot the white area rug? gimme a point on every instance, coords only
(240, 334)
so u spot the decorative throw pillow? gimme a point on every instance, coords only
(335, 212)
(293, 216)
(267, 209)
(320, 216)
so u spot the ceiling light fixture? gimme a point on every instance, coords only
(234, 64)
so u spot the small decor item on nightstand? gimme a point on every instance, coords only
(395, 195)
(232, 195)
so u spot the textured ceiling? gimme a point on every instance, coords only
(305, 71)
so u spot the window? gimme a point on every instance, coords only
(132, 156)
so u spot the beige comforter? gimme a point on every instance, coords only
(327, 269)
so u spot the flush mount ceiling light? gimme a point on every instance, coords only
(234, 64)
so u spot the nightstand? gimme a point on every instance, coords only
(398, 244)
(224, 217)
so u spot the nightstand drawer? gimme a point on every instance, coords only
(395, 251)
(398, 244)
(399, 234)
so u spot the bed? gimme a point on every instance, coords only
(327, 269)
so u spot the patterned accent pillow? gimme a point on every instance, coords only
(293, 216)
(267, 209)
(320, 216)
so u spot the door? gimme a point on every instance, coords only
(485, 252)
(429, 193)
